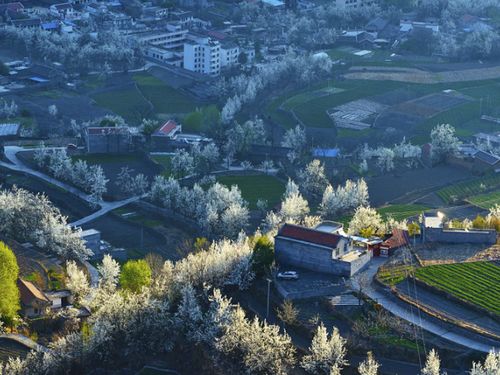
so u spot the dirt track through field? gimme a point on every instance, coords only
(419, 76)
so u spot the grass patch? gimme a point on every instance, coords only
(255, 187)
(51, 94)
(485, 201)
(477, 283)
(462, 190)
(401, 211)
(127, 103)
(165, 162)
(106, 158)
(165, 99)
(394, 275)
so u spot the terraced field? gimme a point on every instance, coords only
(476, 283)
(485, 201)
(468, 189)
(11, 349)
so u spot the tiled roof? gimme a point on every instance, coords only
(167, 128)
(29, 292)
(398, 239)
(309, 235)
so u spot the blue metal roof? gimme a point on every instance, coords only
(326, 152)
(49, 25)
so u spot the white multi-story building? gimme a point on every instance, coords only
(229, 54)
(173, 36)
(202, 55)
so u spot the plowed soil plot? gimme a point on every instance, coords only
(387, 188)
(407, 113)
(397, 120)
(430, 105)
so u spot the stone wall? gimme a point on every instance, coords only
(459, 236)
(359, 263)
(110, 143)
(310, 257)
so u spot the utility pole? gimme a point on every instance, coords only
(268, 294)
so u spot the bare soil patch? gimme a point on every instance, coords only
(437, 253)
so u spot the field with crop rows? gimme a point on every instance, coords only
(11, 349)
(477, 283)
(485, 201)
(467, 189)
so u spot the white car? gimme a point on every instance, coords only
(288, 275)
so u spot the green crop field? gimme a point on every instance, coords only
(396, 211)
(309, 105)
(150, 96)
(127, 103)
(470, 188)
(477, 283)
(165, 99)
(401, 211)
(485, 201)
(255, 187)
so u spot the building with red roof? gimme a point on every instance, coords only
(319, 250)
(33, 302)
(168, 130)
(398, 239)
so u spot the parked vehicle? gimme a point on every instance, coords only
(288, 275)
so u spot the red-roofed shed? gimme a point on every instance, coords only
(398, 239)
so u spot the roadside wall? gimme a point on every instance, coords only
(459, 236)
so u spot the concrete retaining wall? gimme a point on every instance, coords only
(459, 236)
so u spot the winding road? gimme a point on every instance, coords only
(17, 165)
(364, 281)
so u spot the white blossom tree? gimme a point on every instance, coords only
(294, 208)
(295, 139)
(432, 364)
(52, 109)
(327, 352)
(26, 217)
(369, 366)
(109, 271)
(77, 282)
(182, 163)
(491, 365)
(366, 222)
(443, 141)
(313, 180)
